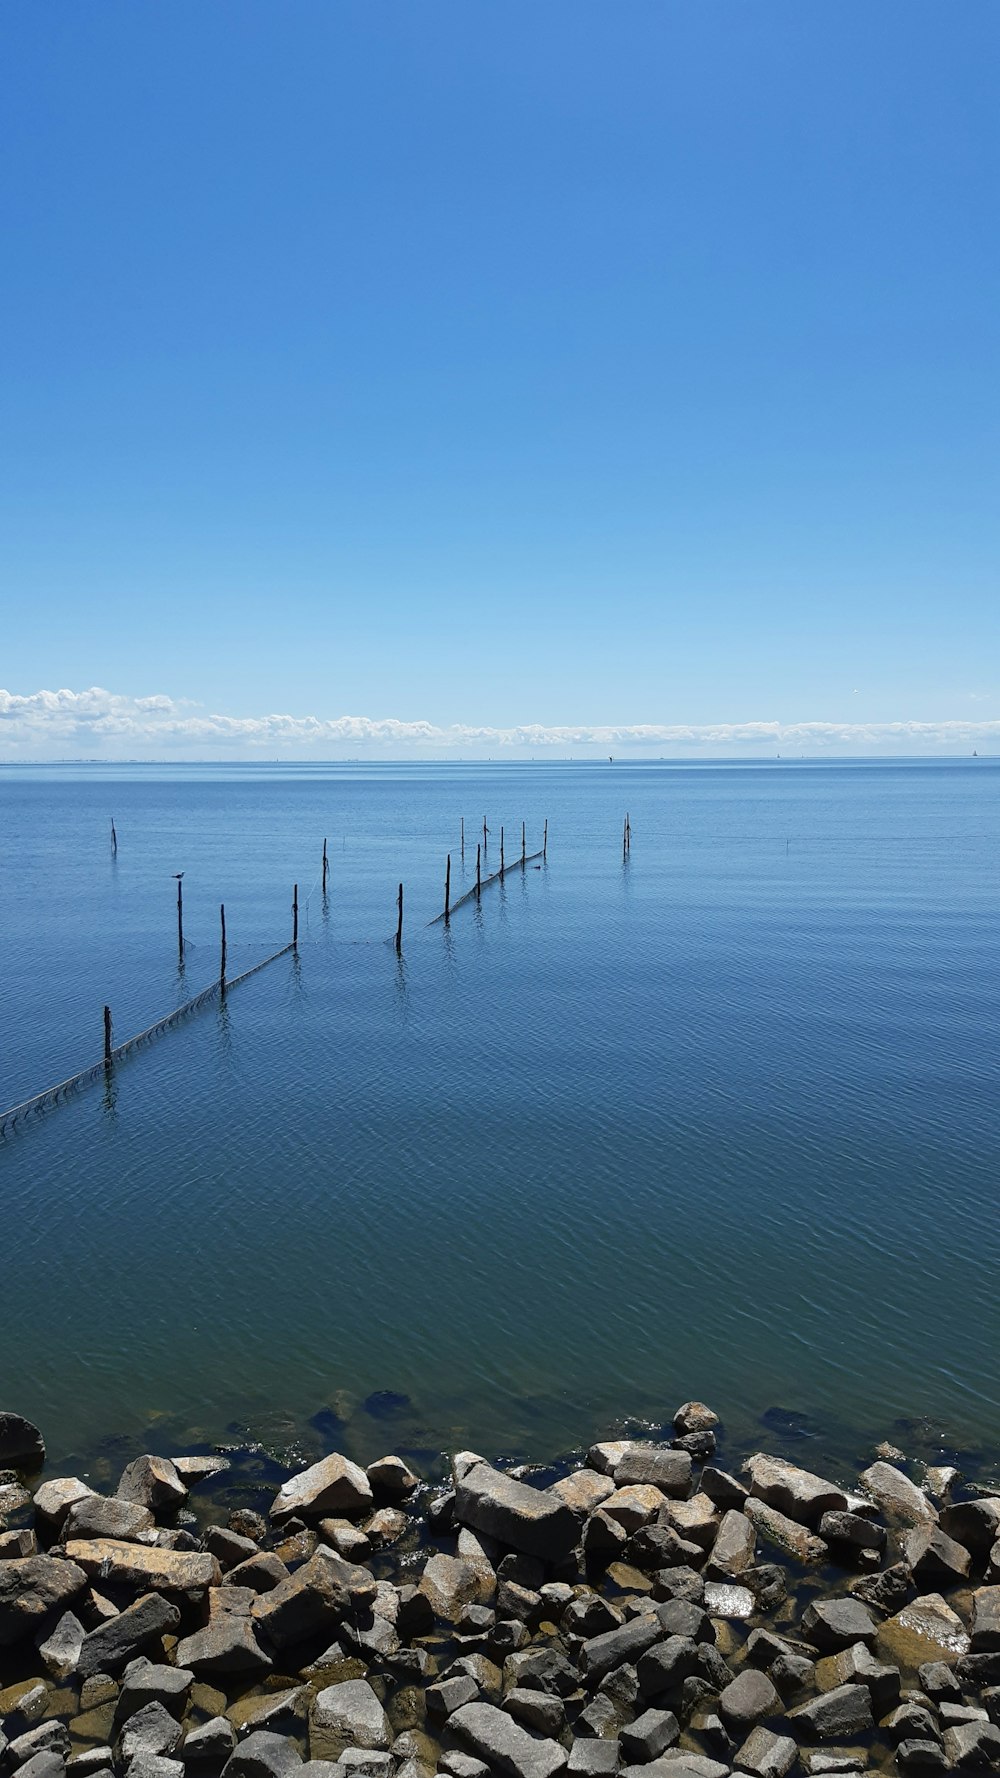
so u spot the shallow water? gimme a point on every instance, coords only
(719, 1120)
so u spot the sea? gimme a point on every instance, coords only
(715, 1116)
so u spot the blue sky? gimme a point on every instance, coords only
(564, 364)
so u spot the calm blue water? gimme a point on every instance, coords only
(720, 1121)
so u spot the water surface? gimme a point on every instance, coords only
(717, 1120)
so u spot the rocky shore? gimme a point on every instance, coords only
(648, 1612)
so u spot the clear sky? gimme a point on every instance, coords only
(497, 363)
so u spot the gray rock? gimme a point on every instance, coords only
(682, 1617)
(785, 1533)
(694, 1416)
(985, 1620)
(532, 1520)
(794, 1492)
(228, 1547)
(46, 1737)
(723, 1488)
(315, 1596)
(335, 1485)
(145, 1566)
(263, 1755)
(766, 1755)
(389, 1476)
(833, 1624)
(933, 1556)
(748, 1699)
(938, 1681)
(667, 1665)
(834, 1716)
(54, 1499)
(43, 1765)
(90, 1760)
(30, 1588)
(21, 1444)
(657, 1466)
(677, 1762)
(462, 1765)
(227, 1645)
(734, 1545)
(213, 1740)
(152, 1482)
(649, 1736)
(96, 1516)
(17, 1543)
(920, 1753)
(544, 1668)
(594, 1756)
(973, 1523)
(262, 1572)
(148, 1682)
(614, 1647)
(897, 1496)
(538, 1711)
(853, 1531)
(857, 1665)
(146, 1764)
(151, 1729)
(972, 1744)
(61, 1649)
(449, 1694)
(352, 1710)
(119, 1639)
(504, 1744)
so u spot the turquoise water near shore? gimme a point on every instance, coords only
(719, 1120)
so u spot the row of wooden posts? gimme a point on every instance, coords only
(481, 846)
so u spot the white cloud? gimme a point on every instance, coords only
(98, 724)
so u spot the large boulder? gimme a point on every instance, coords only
(95, 1516)
(351, 1714)
(533, 1520)
(788, 1535)
(30, 1588)
(119, 1639)
(315, 1595)
(145, 1565)
(504, 1744)
(152, 1482)
(335, 1485)
(21, 1444)
(658, 1466)
(797, 1493)
(897, 1497)
(834, 1716)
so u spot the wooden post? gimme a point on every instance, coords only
(114, 839)
(222, 955)
(326, 867)
(295, 916)
(180, 920)
(545, 839)
(479, 885)
(447, 890)
(463, 837)
(524, 849)
(399, 922)
(501, 851)
(485, 831)
(107, 1037)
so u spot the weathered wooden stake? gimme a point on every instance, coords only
(447, 890)
(524, 849)
(545, 839)
(114, 839)
(180, 920)
(295, 916)
(326, 867)
(485, 832)
(399, 923)
(222, 956)
(107, 1037)
(479, 885)
(501, 851)
(463, 836)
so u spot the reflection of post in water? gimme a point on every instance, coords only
(107, 1037)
